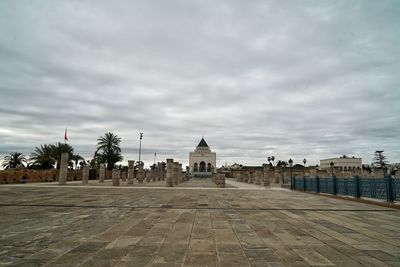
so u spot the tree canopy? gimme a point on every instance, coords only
(14, 160)
(108, 150)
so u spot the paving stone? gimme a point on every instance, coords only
(313, 258)
(204, 259)
(100, 225)
(232, 259)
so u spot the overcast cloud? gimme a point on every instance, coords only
(299, 79)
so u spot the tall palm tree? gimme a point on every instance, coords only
(14, 160)
(42, 157)
(76, 158)
(108, 149)
(59, 149)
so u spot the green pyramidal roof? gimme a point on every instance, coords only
(202, 143)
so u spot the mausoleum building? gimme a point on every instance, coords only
(202, 160)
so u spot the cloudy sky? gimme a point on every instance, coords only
(299, 79)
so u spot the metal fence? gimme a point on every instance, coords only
(387, 188)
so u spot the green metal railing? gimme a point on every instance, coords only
(387, 188)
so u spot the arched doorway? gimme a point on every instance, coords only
(202, 166)
(195, 167)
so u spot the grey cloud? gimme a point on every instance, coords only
(293, 79)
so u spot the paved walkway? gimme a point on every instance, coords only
(94, 226)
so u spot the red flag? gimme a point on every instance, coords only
(65, 135)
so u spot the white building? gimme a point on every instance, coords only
(202, 161)
(345, 164)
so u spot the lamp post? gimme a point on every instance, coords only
(304, 161)
(291, 173)
(332, 165)
(140, 145)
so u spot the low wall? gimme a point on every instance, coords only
(16, 176)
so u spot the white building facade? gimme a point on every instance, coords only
(202, 160)
(345, 164)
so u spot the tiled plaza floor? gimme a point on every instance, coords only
(105, 226)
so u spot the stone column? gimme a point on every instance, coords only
(258, 177)
(180, 173)
(116, 175)
(148, 176)
(163, 171)
(102, 173)
(221, 182)
(239, 176)
(176, 173)
(154, 173)
(131, 166)
(63, 172)
(245, 177)
(85, 174)
(251, 177)
(123, 176)
(169, 173)
(159, 172)
(264, 177)
(187, 173)
(140, 174)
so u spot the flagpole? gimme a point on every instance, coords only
(140, 146)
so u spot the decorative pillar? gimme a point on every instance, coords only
(187, 173)
(116, 174)
(258, 177)
(159, 171)
(176, 173)
(154, 173)
(140, 174)
(85, 174)
(180, 173)
(169, 172)
(266, 175)
(63, 172)
(131, 169)
(123, 176)
(102, 173)
(148, 176)
(221, 181)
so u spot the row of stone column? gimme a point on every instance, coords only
(174, 173)
(259, 177)
(157, 173)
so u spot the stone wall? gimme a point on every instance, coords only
(22, 175)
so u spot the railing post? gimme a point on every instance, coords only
(304, 183)
(389, 188)
(317, 181)
(334, 184)
(357, 186)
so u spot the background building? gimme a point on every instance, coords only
(202, 161)
(344, 163)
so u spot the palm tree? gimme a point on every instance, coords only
(42, 157)
(108, 149)
(14, 160)
(59, 149)
(76, 158)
